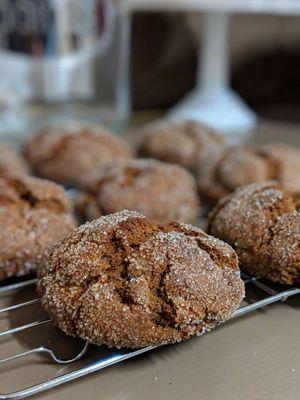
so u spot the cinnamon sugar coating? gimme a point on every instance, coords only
(34, 214)
(67, 153)
(222, 172)
(180, 143)
(162, 192)
(124, 281)
(262, 223)
(11, 163)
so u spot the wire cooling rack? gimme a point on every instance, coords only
(85, 359)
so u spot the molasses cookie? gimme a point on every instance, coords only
(262, 223)
(180, 143)
(11, 163)
(34, 214)
(124, 281)
(162, 192)
(66, 154)
(222, 172)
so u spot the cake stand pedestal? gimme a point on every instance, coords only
(212, 101)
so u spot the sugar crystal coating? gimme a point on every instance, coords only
(262, 224)
(34, 214)
(124, 281)
(67, 153)
(160, 191)
(223, 171)
(180, 143)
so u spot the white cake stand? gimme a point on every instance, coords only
(212, 101)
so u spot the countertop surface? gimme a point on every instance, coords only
(255, 357)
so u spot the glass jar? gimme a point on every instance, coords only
(57, 63)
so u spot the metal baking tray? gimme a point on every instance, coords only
(28, 339)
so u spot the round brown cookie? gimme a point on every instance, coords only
(11, 163)
(68, 153)
(285, 162)
(34, 214)
(222, 172)
(124, 281)
(262, 224)
(180, 143)
(162, 192)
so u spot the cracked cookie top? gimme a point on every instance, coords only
(34, 214)
(262, 223)
(124, 281)
(67, 153)
(180, 143)
(220, 173)
(162, 192)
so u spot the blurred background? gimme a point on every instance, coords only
(121, 61)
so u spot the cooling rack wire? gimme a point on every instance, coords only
(269, 294)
